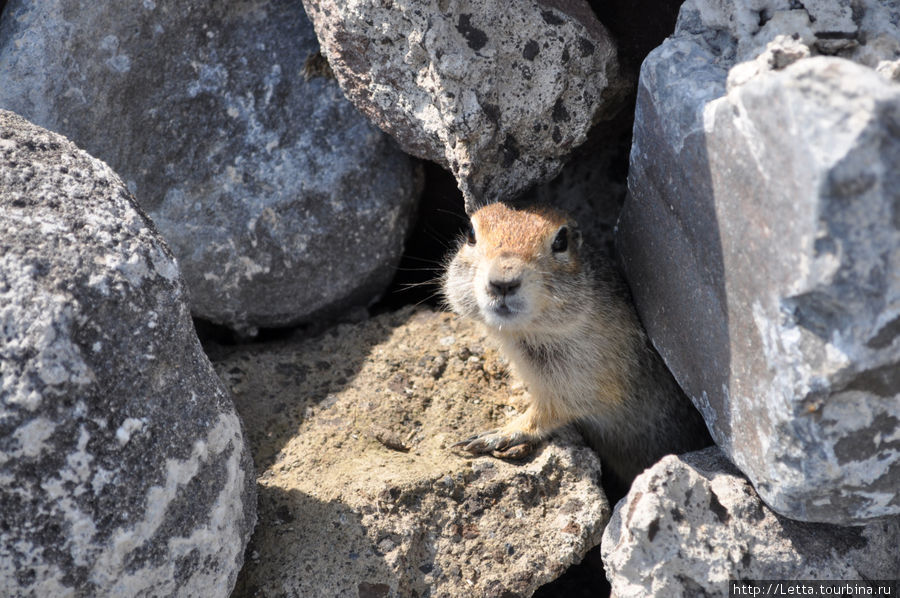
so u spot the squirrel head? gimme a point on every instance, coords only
(513, 265)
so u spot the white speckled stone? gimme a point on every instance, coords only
(692, 522)
(123, 469)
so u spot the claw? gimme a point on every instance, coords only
(479, 445)
(496, 443)
(469, 443)
(517, 451)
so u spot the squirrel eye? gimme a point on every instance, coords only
(561, 242)
(470, 235)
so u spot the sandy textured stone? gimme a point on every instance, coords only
(692, 523)
(262, 178)
(123, 470)
(762, 243)
(360, 493)
(498, 96)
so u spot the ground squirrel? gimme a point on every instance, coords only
(566, 323)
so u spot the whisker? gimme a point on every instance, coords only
(422, 259)
(428, 298)
(441, 240)
(411, 285)
(454, 214)
(416, 269)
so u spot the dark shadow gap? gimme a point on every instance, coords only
(440, 221)
(638, 26)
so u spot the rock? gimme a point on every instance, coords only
(264, 182)
(863, 31)
(779, 53)
(761, 241)
(122, 460)
(498, 96)
(692, 523)
(360, 492)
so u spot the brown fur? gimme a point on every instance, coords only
(502, 230)
(567, 326)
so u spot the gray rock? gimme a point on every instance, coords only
(277, 197)
(864, 31)
(123, 469)
(761, 241)
(498, 96)
(360, 492)
(692, 523)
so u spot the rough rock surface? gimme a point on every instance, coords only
(864, 31)
(693, 522)
(360, 492)
(123, 469)
(498, 96)
(263, 179)
(762, 243)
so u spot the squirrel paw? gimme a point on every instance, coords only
(498, 443)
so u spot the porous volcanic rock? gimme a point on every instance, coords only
(123, 469)
(498, 96)
(360, 492)
(278, 198)
(762, 243)
(691, 523)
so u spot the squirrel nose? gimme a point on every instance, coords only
(504, 287)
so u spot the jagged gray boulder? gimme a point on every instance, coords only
(762, 241)
(500, 97)
(277, 197)
(360, 490)
(691, 523)
(123, 465)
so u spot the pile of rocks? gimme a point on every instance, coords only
(263, 183)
